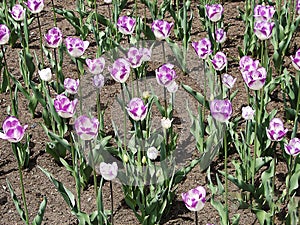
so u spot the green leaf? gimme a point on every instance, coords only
(197, 95)
(39, 217)
(262, 216)
(240, 183)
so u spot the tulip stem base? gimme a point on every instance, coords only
(111, 203)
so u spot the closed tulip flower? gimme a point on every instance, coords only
(220, 35)
(161, 29)
(194, 199)
(214, 12)
(35, 6)
(98, 81)
(298, 7)
(45, 74)
(263, 13)
(126, 25)
(71, 85)
(202, 48)
(64, 107)
(248, 113)
(165, 75)
(219, 61)
(221, 110)
(13, 131)
(86, 128)
(95, 66)
(296, 60)
(263, 30)
(134, 57)
(166, 123)
(293, 147)
(75, 46)
(152, 153)
(17, 12)
(53, 37)
(247, 64)
(276, 130)
(120, 70)
(136, 109)
(228, 81)
(108, 171)
(256, 79)
(4, 34)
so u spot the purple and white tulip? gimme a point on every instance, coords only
(71, 85)
(194, 199)
(219, 61)
(165, 75)
(276, 130)
(4, 34)
(17, 12)
(54, 37)
(247, 64)
(146, 52)
(256, 79)
(126, 25)
(136, 109)
(248, 113)
(120, 70)
(108, 171)
(293, 147)
(220, 35)
(298, 7)
(228, 81)
(161, 29)
(202, 48)
(221, 110)
(95, 66)
(263, 30)
(86, 128)
(135, 57)
(64, 107)
(296, 60)
(98, 81)
(214, 12)
(45, 74)
(75, 46)
(13, 131)
(263, 13)
(152, 153)
(35, 6)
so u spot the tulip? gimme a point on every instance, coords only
(276, 130)
(13, 130)
(54, 37)
(134, 57)
(247, 64)
(255, 80)
(64, 107)
(86, 128)
(109, 171)
(75, 46)
(263, 30)
(71, 85)
(263, 13)
(194, 199)
(228, 81)
(136, 109)
(45, 74)
(120, 70)
(219, 61)
(214, 12)
(161, 29)
(220, 35)
(165, 74)
(248, 113)
(17, 12)
(298, 7)
(221, 110)
(293, 147)
(172, 87)
(4, 34)
(146, 54)
(152, 153)
(95, 66)
(166, 123)
(202, 48)
(35, 6)
(107, 1)
(296, 60)
(98, 81)
(126, 25)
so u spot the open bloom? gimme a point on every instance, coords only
(17, 12)
(214, 12)
(202, 48)
(134, 57)
(86, 128)
(263, 13)
(161, 29)
(75, 46)
(165, 74)
(120, 70)
(64, 107)
(228, 81)
(293, 147)
(263, 30)
(71, 85)
(126, 25)
(194, 199)
(13, 131)
(248, 113)
(219, 61)
(256, 79)
(45, 74)
(276, 130)
(136, 109)
(54, 37)
(220, 35)
(296, 60)
(98, 81)
(152, 153)
(95, 66)
(35, 6)
(4, 34)
(109, 171)
(221, 110)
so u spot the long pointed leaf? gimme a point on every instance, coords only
(38, 219)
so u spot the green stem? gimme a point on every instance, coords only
(80, 89)
(226, 175)
(125, 117)
(290, 168)
(196, 218)
(295, 128)
(56, 72)
(273, 183)
(256, 139)
(111, 202)
(41, 40)
(76, 174)
(54, 14)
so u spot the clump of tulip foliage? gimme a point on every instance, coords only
(141, 153)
